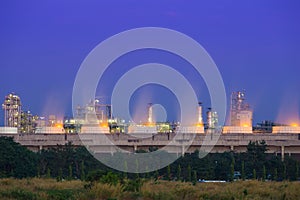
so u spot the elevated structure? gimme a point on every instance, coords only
(28, 122)
(150, 114)
(12, 110)
(200, 118)
(282, 143)
(51, 121)
(240, 113)
(212, 119)
(94, 112)
(93, 117)
(41, 122)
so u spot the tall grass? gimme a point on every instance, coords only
(44, 189)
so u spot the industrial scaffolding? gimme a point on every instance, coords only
(12, 110)
(240, 113)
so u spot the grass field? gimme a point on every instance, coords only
(35, 188)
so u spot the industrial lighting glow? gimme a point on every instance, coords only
(58, 125)
(149, 124)
(199, 124)
(103, 124)
(294, 125)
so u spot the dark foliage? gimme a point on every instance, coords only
(69, 162)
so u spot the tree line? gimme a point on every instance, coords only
(68, 162)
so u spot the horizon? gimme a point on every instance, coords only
(254, 45)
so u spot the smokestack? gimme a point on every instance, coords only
(209, 118)
(200, 119)
(150, 114)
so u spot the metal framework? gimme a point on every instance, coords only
(12, 110)
(238, 105)
(102, 111)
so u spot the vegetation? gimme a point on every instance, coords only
(44, 189)
(16, 160)
(68, 163)
(68, 172)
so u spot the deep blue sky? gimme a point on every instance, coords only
(255, 44)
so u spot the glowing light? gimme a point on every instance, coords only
(149, 124)
(199, 124)
(58, 125)
(294, 125)
(103, 124)
(245, 125)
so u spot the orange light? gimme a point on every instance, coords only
(294, 125)
(199, 125)
(58, 125)
(245, 125)
(149, 124)
(103, 124)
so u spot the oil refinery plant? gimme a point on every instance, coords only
(97, 117)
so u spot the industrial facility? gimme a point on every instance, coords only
(96, 117)
(240, 115)
(94, 123)
(12, 110)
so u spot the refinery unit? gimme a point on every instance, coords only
(96, 117)
(240, 115)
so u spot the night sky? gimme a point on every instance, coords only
(255, 44)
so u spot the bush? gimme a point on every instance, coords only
(95, 176)
(19, 194)
(61, 194)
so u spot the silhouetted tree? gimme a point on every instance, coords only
(243, 171)
(189, 172)
(254, 174)
(264, 173)
(179, 172)
(194, 181)
(169, 173)
(82, 174)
